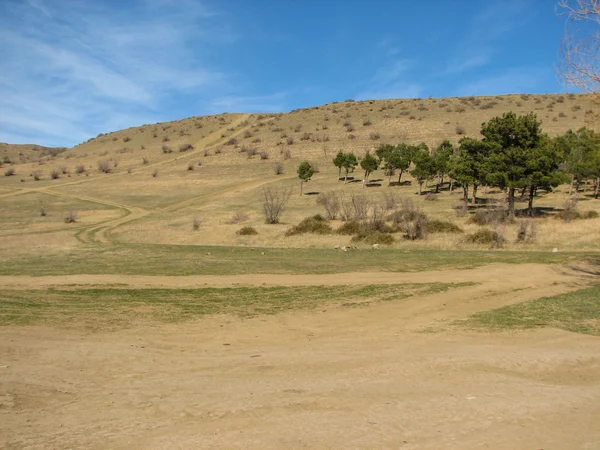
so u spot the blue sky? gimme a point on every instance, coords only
(72, 69)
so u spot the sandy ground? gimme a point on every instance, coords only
(390, 375)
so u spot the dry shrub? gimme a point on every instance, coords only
(65, 170)
(278, 168)
(526, 232)
(155, 173)
(232, 141)
(390, 200)
(354, 208)
(190, 166)
(486, 236)
(290, 140)
(410, 220)
(196, 224)
(569, 211)
(287, 154)
(441, 226)
(104, 166)
(373, 237)
(80, 169)
(37, 175)
(316, 225)
(55, 174)
(246, 231)
(374, 136)
(9, 172)
(431, 197)
(330, 201)
(71, 217)
(274, 202)
(263, 155)
(185, 147)
(461, 208)
(167, 149)
(349, 228)
(490, 216)
(460, 130)
(145, 160)
(238, 217)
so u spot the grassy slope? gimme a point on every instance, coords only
(577, 311)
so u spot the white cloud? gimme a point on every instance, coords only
(512, 81)
(71, 70)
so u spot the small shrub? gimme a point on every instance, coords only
(191, 166)
(247, 134)
(37, 175)
(167, 149)
(460, 130)
(562, 114)
(263, 155)
(569, 211)
(486, 236)
(290, 140)
(155, 173)
(71, 217)
(218, 151)
(9, 172)
(42, 211)
(374, 136)
(367, 123)
(373, 237)
(80, 169)
(246, 231)
(287, 154)
(196, 224)
(274, 203)
(238, 217)
(390, 200)
(431, 197)
(250, 152)
(278, 168)
(305, 136)
(441, 226)
(232, 141)
(185, 147)
(145, 160)
(104, 166)
(126, 139)
(316, 224)
(64, 170)
(590, 215)
(166, 139)
(349, 128)
(491, 217)
(330, 201)
(55, 174)
(350, 228)
(525, 232)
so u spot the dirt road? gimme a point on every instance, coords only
(370, 377)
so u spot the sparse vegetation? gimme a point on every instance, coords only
(71, 217)
(274, 203)
(247, 231)
(316, 225)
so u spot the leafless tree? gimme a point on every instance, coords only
(580, 65)
(274, 202)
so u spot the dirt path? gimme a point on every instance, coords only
(341, 378)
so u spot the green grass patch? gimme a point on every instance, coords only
(117, 308)
(577, 311)
(157, 259)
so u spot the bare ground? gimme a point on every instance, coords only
(390, 375)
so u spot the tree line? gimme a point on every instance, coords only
(514, 155)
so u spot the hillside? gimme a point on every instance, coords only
(156, 180)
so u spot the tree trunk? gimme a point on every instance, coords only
(531, 196)
(365, 178)
(572, 183)
(511, 201)
(420, 187)
(339, 173)
(597, 192)
(585, 187)
(400, 176)
(523, 191)
(390, 178)
(346, 177)
(475, 194)
(466, 193)
(301, 185)
(451, 186)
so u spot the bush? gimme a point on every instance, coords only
(486, 236)
(185, 147)
(367, 123)
(440, 226)
(278, 168)
(9, 172)
(331, 202)
(167, 149)
(238, 217)
(290, 140)
(71, 217)
(155, 173)
(145, 160)
(525, 232)
(461, 208)
(491, 217)
(349, 228)
(55, 174)
(104, 166)
(37, 175)
(287, 154)
(232, 141)
(373, 237)
(196, 224)
(431, 197)
(246, 231)
(274, 202)
(64, 170)
(316, 224)
(460, 130)
(80, 169)
(190, 166)
(410, 220)
(263, 155)
(126, 139)
(590, 215)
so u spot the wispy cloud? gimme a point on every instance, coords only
(511, 81)
(477, 47)
(391, 80)
(71, 69)
(259, 103)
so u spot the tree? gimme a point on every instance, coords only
(468, 164)
(305, 173)
(515, 138)
(349, 164)
(369, 164)
(580, 65)
(383, 152)
(425, 168)
(338, 162)
(581, 151)
(441, 158)
(274, 202)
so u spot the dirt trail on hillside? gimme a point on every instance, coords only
(353, 378)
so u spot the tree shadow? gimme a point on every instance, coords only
(349, 179)
(369, 184)
(312, 193)
(402, 183)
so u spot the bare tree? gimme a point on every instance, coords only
(274, 202)
(580, 65)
